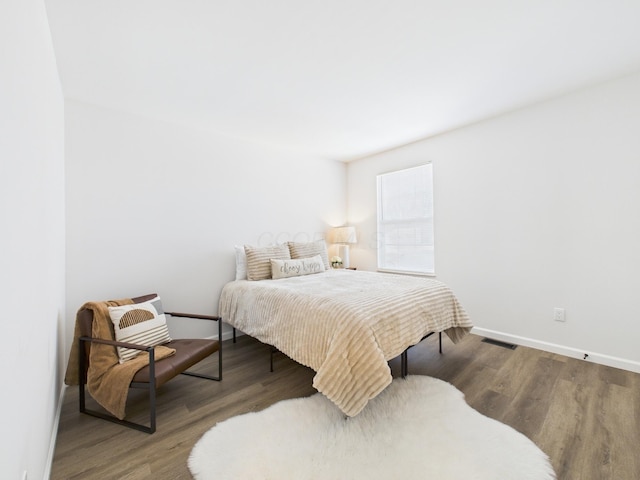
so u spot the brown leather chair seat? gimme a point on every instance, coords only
(188, 353)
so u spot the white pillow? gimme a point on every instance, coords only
(296, 268)
(241, 262)
(141, 323)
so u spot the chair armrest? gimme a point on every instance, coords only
(133, 346)
(193, 315)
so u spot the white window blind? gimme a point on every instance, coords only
(405, 220)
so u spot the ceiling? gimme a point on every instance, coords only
(338, 79)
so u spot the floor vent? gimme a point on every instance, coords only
(510, 346)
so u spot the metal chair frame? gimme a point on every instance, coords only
(151, 385)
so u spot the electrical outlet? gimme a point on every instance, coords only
(558, 314)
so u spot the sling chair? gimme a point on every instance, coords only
(156, 369)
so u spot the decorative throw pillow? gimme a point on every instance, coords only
(241, 263)
(296, 268)
(258, 265)
(309, 249)
(141, 323)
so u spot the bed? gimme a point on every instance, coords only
(344, 324)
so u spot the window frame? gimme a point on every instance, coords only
(427, 222)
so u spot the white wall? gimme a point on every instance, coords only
(32, 240)
(536, 209)
(155, 207)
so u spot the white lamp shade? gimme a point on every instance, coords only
(344, 235)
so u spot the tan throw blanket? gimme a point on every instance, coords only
(345, 325)
(107, 380)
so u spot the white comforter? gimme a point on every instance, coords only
(344, 324)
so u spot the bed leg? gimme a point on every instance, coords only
(440, 341)
(234, 334)
(271, 358)
(274, 350)
(404, 363)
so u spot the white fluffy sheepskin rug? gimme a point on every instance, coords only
(417, 428)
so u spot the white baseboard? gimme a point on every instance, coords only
(229, 335)
(225, 335)
(54, 435)
(587, 356)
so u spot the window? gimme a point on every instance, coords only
(405, 220)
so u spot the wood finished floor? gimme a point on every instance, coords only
(586, 417)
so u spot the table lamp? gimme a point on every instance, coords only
(344, 236)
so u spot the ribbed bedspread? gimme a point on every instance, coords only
(344, 324)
